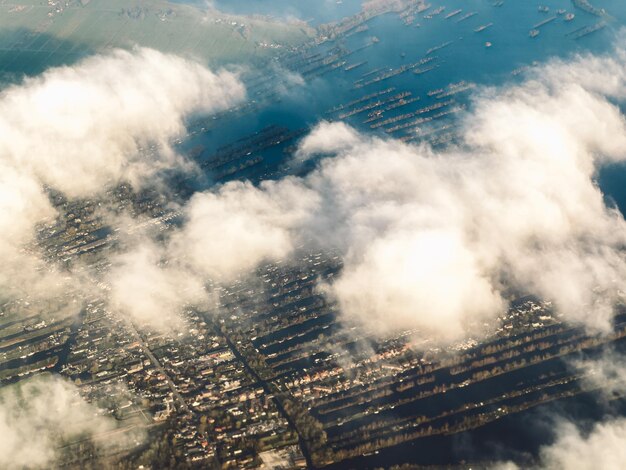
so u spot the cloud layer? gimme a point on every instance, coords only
(603, 447)
(41, 414)
(79, 129)
(434, 238)
(226, 233)
(437, 240)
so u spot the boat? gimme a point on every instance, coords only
(425, 69)
(589, 8)
(533, 33)
(570, 17)
(453, 14)
(467, 16)
(483, 27)
(354, 66)
(579, 34)
(439, 47)
(544, 22)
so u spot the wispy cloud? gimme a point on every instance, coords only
(40, 415)
(602, 447)
(79, 129)
(435, 239)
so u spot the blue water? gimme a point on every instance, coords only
(467, 58)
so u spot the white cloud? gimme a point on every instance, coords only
(151, 292)
(605, 374)
(226, 233)
(79, 128)
(41, 414)
(328, 137)
(82, 128)
(432, 239)
(604, 447)
(230, 231)
(428, 280)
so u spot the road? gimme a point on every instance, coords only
(179, 398)
(267, 389)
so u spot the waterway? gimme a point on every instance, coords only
(301, 104)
